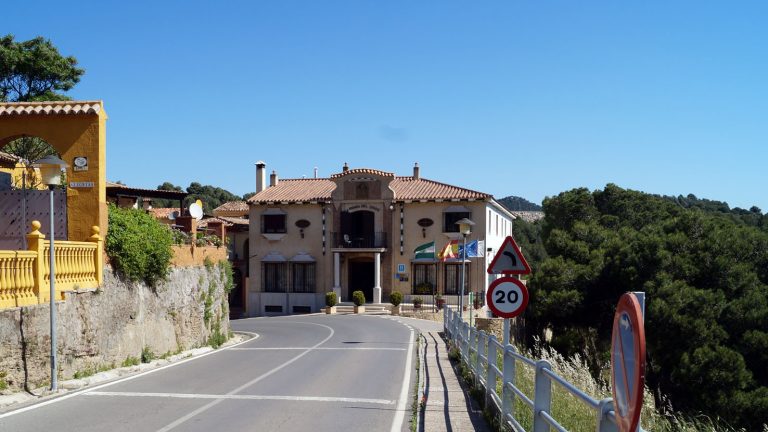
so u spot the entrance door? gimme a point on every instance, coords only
(361, 274)
(18, 208)
(358, 228)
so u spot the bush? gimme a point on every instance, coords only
(330, 299)
(358, 298)
(147, 355)
(396, 297)
(138, 245)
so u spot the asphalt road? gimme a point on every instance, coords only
(302, 373)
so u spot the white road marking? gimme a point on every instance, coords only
(246, 397)
(397, 422)
(320, 348)
(253, 381)
(128, 378)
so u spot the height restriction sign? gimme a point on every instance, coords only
(507, 297)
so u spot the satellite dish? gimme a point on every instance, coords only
(196, 211)
(173, 215)
(200, 203)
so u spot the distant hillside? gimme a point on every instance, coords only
(516, 203)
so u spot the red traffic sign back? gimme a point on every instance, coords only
(509, 259)
(507, 297)
(628, 362)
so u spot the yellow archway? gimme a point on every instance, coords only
(76, 129)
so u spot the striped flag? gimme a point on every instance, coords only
(451, 250)
(425, 251)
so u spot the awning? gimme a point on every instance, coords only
(274, 257)
(302, 257)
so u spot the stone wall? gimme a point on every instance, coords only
(101, 328)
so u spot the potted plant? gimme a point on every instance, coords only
(358, 298)
(439, 300)
(417, 302)
(330, 302)
(395, 298)
(476, 301)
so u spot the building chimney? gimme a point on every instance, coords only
(345, 168)
(416, 171)
(315, 172)
(273, 178)
(261, 176)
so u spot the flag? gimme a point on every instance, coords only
(450, 250)
(427, 250)
(471, 250)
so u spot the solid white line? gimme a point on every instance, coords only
(128, 378)
(249, 383)
(246, 397)
(321, 349)
(397, 422)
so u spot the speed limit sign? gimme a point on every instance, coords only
(507, 297)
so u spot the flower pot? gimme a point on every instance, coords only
(359, 309)
(330, 310)
(394, 310)
(417, 305)
(440, 303)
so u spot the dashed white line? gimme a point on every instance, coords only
(319, 349)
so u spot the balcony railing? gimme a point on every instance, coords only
(360, 241)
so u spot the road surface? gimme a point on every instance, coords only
(302, 373)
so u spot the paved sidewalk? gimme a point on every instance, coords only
(448, 406)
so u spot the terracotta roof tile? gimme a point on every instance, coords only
(50, 107)
(163, 212)
(362, 171)
(412, 189)
(405, 188)
(233, 206)
(296, 190)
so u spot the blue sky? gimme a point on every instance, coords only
(509, 97)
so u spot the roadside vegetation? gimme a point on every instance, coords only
(138, 246)
(704, 267)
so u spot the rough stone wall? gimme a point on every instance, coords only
(101, 328)
(494, 326)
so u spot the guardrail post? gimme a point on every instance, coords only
(508, 376)
(490, 377)
(480, 339)
(604, 424)
(542, 399)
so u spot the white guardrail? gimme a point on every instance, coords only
(477, 347)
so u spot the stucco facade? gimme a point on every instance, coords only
(358, 230)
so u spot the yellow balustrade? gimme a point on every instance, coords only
(25, 275)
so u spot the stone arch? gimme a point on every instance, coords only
(74, 129)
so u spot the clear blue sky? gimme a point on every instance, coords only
(508, 97)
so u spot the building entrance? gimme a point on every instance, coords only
(361, 278)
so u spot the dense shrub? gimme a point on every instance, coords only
(138, 246)
(330, 299)
(396, 297)
(358, 298)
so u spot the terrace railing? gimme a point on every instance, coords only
(25, 275)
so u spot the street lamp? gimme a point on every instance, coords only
(50, 173)
(465, 228)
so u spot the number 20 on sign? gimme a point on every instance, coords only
(507, 297)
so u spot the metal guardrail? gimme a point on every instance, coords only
(477, 347)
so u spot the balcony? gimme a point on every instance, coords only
(359, 241)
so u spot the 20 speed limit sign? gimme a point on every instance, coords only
(507, 297)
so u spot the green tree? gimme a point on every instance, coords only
(35, 70)
(704, 268)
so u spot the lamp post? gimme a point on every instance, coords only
(50, 174)
(465, 228)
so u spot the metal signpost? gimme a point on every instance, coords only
(628, 362)
(508, 261)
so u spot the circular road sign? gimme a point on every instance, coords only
(628, 362)
(507, 297)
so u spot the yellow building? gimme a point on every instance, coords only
(358, 230)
